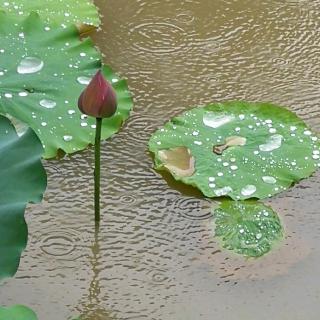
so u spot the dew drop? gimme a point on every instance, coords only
(67, 138)
(269, 179)
(307, 133)
(30, 65)
(84, 80)
(248, 190)
(213, 120)
(273, 143)
(223, 191)
(23, 94)
(46, 103)
(258, 236)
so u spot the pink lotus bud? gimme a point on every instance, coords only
(98, 100)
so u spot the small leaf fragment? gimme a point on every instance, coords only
(230, 142)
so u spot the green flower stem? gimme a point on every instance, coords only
(97, 171)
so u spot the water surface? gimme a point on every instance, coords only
(155, 257)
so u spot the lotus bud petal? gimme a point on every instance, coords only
(99, 99)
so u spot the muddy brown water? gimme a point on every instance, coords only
(155, 256)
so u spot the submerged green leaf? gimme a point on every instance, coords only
(248, 228)
(17, 312)
(23, 180)
(42, 74)
(64, 12)
(241, 150)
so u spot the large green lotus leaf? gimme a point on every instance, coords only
(64, 12)
(237, 149)
(248, 228)
(17, 312)
(23, 180)
(42, 73)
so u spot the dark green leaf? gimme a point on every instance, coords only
(23, 180)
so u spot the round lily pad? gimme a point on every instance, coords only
(43, 70)
(237, 149)
(23, 180)
(247, 228)
(64, 12)
(17, 312)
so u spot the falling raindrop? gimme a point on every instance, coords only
(30, 65)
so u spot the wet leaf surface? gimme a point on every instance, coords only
(42, 75)
(241, 150)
